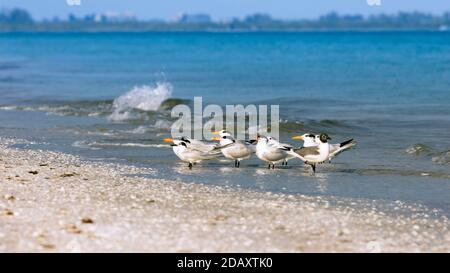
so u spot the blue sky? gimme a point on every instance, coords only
(224, 9)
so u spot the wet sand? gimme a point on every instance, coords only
(54, 202)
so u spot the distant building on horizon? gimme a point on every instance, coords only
(200, 18)
(259, 18)
(18, 19)
(106, 17)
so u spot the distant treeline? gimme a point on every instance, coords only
(20, 20)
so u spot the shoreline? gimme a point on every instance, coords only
(56, 202)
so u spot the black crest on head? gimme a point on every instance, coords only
(324, 138)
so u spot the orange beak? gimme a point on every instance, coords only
(168, 140)
(215, 138)
(298, 137)
(216, 133)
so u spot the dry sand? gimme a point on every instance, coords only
(60, 203)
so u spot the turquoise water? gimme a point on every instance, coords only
(388, 90)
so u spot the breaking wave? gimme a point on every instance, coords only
(94, 145)
(442, 158)
(70, 108)
(145, 104)
(437, 157)
(419, 149)
(142, 98)
(317, 126)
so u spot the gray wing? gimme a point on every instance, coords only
(203, 147)
(220, 147)
(307, 151)
(200, 154)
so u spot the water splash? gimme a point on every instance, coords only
(144, 98)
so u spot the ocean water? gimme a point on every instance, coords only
(107, 96)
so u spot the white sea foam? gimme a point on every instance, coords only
(96, 145)
(94, 114)
(138, 145)
(162, 124)
(83, 145)
(139, 130)
(144, 98)
(129, 144)
(8, 107)
(442, 158)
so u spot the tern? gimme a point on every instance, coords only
(271, 151)
(234, 149)
(315, 154)
(193, 151)
(274, 142)
(311, 140)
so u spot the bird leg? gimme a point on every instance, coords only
(238, 163)
(313, 166)
(190, 166)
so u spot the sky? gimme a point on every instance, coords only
(224, 9)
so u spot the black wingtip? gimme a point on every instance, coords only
(185, 139)
(285, 148)
(345, 142)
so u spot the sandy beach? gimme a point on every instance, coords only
(55, 202)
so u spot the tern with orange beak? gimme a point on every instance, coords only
(234, 149)
(193, 151)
